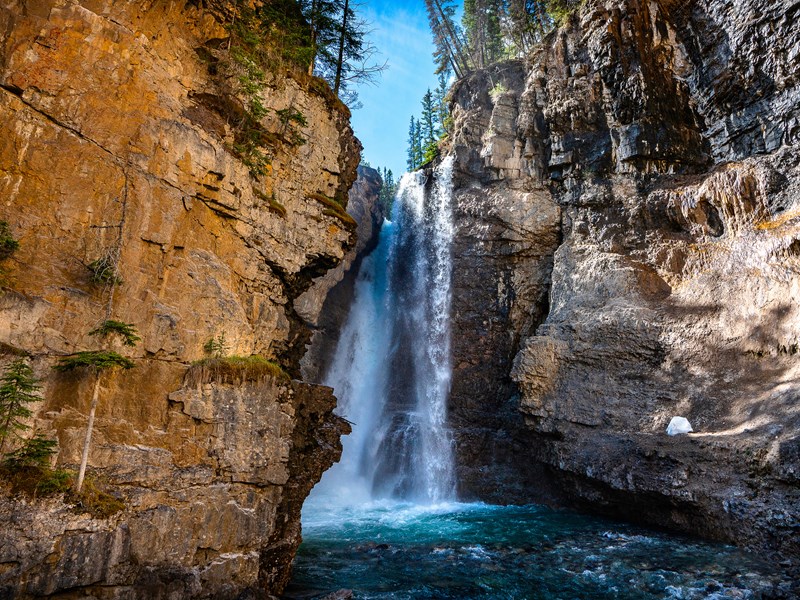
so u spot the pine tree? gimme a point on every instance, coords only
(496, 13)
(430, 132)
(440, 99)
(322, 17)
(387, 192)
(447, 38)
(18, 387)
(482, 26)
(419, 151)
(412, 138)
(342, 54)
(98, 362)
(528, 22)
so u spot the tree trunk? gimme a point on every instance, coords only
(456, 41)
(313, 25)
(7, 429)
(340, 61)
(88, 439)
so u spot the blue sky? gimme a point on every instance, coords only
(401, 34)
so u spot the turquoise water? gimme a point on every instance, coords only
(403, 551)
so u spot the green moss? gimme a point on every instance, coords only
(95, 500)
(272, 203)
(349, 221)
(333, 209)
(235, 369)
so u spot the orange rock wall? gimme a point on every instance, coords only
(109, 147)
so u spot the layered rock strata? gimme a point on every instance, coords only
(632, 196)
(118, 149)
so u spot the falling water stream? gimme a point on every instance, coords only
(392, 367)
(385, 523)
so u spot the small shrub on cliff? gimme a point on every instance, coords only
(35, 452)
(103, 271)
(126, 331)
(216, 347)
(8, 245)
(291, 119)
(18, 388)
(28, 470)
(95, 360)
(498, 90)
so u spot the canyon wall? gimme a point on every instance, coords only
(326, 304)
(118, 149)
(628, 250)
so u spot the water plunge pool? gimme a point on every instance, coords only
(396, 551)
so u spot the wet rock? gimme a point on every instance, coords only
(326, 304)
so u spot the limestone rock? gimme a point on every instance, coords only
(114, 148)
(627, 250)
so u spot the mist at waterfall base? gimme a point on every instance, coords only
(384, 522)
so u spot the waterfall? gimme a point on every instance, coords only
(392, 369)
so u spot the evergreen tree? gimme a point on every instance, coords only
(18, 387)
(387, 192)
(419, 150)
(412, 139)
(440, 99)
(98, 362)
(496, 13)
(322, 17)
(528, 22)
(430, 131)
(447, 38)
(341, 53)
(482, 26)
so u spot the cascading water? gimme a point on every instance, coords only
(392, 368)
(383, 522)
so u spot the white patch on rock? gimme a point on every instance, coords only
(679, 425)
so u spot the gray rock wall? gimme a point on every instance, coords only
(628, 207)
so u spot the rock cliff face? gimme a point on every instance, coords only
(116, 148)
(325, 305)
(632, 194)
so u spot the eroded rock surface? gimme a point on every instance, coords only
(628, 230)
(115, 146)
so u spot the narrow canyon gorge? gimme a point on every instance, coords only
(622, 226)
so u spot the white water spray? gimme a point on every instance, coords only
(392, 368)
